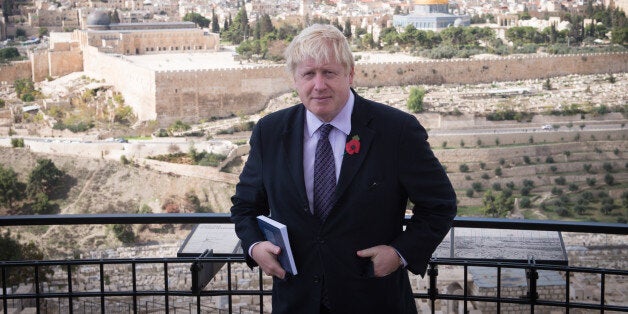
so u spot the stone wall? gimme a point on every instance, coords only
(462, 71)
(40, 68)
(15, 70)
(192, 96)
(137, 84)
(65, 62)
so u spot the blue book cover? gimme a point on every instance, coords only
(277, 233)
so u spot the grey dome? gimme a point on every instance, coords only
(98, 18)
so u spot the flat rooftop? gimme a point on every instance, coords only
(224, 59)
(187, 61)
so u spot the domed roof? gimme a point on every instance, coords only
(98, 18)
(423, 2)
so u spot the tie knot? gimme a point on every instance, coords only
(325, 129)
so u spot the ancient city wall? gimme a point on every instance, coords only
(15, 70)
(136, 84)
(192, 96)
(39, 65)
(201, 95)
(64, 62)
(462, 71)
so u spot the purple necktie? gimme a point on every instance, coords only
(324, 174)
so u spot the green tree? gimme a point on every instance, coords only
(198, 19)
(40, 204)
(23, 87)
(215, 23)
(497, 204)
(115, 17)
(124, 233)
(415, 100)
(10, 187)
(239, 29)
(7, 9)
(12, 250)
(43, 178)
(347, 29)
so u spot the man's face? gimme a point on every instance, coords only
(323, 88)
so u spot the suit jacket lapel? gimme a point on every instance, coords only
(292, 142)
(360, 118)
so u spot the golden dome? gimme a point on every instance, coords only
(420, 2)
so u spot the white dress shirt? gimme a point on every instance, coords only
(337, 139)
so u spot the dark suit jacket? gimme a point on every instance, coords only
(394, 164)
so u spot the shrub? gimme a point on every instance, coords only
(461, 143)
(510, 185)
(562, 211)
(525, 202)
(553, 169)
(498, 171)
(482, 165)
(591, 181)
(124, 233)
(607, 166)
(609, 179)
(580, 209)
(469, 192)
(444, 145)
(606, 209)
(573, 187)
(587, 168)
(17, 142)
(528, 183)
(502, 161)
(477, 186)
(549, 160)
(415, 100)
(526, 160)
(560, 180)
(497, 186)
(464, 168)
(485, 176)
(467, 177)
(557, 191)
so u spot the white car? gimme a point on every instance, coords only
(547, 127)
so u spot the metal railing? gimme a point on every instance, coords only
(226, 293)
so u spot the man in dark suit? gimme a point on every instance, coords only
(339, 170)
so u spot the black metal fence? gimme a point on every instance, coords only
(147, 285)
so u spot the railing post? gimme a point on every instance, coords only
(4, 289)
(532, 275)
(37, 292)
(432, 291)
(70, 304)
(102, 285)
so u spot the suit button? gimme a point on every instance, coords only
(317, 279)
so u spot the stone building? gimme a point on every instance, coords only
(54, 18)
(431, 15)
(144, 38)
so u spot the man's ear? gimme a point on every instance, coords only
(351, 73)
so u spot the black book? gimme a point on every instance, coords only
(277, 233)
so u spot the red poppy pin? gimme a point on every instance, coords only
(353, 146)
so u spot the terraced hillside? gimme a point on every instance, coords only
(569, 174)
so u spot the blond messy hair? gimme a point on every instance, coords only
(323, 44)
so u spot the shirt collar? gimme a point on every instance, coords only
(342, 121)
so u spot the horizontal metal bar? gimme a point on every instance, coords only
(197, 218)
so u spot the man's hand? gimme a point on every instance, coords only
(265, 254)
(384, 257)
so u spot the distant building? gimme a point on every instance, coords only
(144, 38)
(431, 15)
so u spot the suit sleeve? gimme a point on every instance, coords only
(250, 199)
(425, 182)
